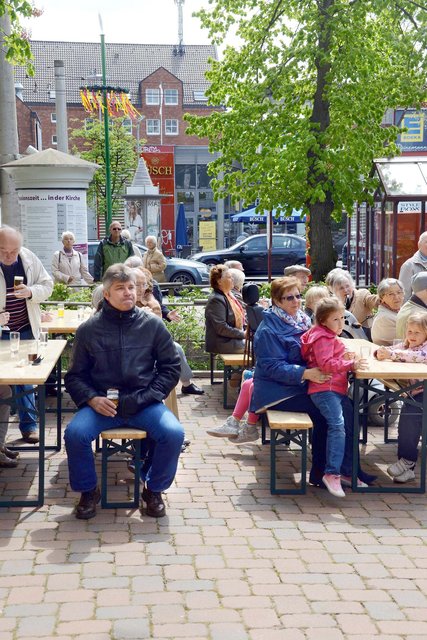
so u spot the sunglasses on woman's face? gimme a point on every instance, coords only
(291, 298)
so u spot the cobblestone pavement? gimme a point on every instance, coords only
(228, 562)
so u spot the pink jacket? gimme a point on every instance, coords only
(322, 348)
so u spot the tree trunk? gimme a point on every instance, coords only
(321, 248)
(9, 148)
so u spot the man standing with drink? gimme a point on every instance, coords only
(125, 349)
(21, 299)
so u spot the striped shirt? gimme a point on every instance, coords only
(17, 307)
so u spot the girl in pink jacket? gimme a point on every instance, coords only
(322, 348)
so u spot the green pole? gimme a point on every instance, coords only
(108, 200)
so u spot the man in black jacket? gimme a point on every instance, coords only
(124, 348)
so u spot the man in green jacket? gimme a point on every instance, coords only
(111, 250)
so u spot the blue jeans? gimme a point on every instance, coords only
(26, 404)
(332, 406)
(163, 429)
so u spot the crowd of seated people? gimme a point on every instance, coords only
(285, 379)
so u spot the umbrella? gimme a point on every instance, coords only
(181, 238)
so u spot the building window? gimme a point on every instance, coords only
(127, 125)
(171, 127)
(152, 96)
(171, 96)
(54, 140)
(53, 117)
(153, 127)
(89, 123)
(199, 96)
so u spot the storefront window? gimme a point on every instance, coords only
(187, 198)
(185, 176)
(203, 178)
(206, 201)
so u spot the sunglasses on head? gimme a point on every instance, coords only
(291, 298)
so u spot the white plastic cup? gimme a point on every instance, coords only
(43, 338)
(365, 352)
(14, 339)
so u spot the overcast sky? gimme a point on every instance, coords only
(139, 21)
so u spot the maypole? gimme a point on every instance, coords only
(112, 101)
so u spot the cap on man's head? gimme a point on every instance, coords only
(296, 268)
(419, 282)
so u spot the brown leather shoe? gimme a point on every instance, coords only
(7, 462)
(9, 453)
(155, 505)
(32, 437)
(86, 508)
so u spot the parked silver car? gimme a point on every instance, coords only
(177, 269)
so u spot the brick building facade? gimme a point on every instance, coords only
(163, 85)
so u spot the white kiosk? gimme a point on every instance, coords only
(51, 188)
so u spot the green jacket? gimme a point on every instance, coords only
(109, 253)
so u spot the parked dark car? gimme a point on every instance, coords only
(177, 269)
(287, 249)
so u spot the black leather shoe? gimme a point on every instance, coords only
(32, 437)
(155, 505)
(13, 455)
(193, 389)
(86, 508)
(368, 478)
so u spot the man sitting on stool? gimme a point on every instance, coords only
(124, 348)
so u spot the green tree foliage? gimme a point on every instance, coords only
(123, 160)
(304, 93)
(16, 43)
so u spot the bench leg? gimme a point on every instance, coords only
(109, 449)
(279, 437)
(212, 357)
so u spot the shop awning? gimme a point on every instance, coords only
(251, 216)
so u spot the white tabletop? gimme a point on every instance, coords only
(385, 369)
(68, 324)
(12, 373)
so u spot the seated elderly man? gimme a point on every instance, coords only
(300, 272)
(124, 348)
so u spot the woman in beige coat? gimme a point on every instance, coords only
(154, 260)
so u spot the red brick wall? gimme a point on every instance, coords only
(26, 126)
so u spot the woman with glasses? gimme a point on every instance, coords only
(391, 295)
(281, 375)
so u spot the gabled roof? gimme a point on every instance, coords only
(127, 65)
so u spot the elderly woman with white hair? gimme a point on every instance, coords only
(68, 265)
(391, 294)
(360, 302)
(238, 278)
(154, 260)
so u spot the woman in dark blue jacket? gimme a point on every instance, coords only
(280, 372)
(280, 378)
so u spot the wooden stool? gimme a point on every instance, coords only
(130, 442)
(286, 427)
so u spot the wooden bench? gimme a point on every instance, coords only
(287, 427)
(121, 440)
(231, 362)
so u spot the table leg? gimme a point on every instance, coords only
(41, 390)
(356, 430)
(58, 403)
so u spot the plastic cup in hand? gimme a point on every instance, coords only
(14, 339)
(43, 338)
(80, 313)
(61, 310)
(18, 280)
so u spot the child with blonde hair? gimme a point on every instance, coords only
(412, 349)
